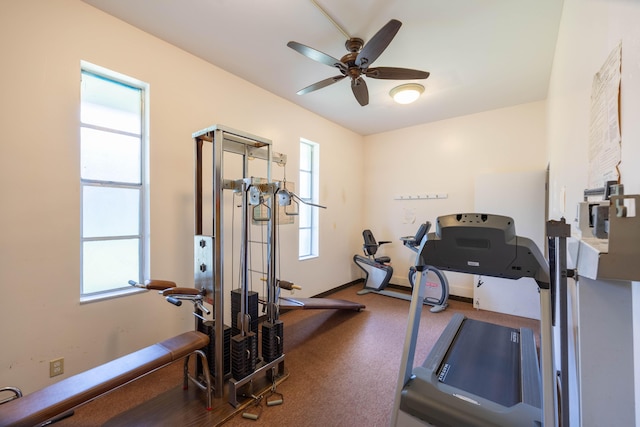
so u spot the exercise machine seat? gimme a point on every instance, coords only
(370, 247)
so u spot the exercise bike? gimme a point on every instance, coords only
(378, 271)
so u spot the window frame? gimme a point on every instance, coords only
(142, 186)
(313, 189)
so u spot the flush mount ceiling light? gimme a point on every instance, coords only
(406, 93)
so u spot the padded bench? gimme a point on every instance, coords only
(42, 405)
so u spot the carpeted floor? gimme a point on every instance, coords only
(343, 365)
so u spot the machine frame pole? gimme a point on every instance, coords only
(557, 234)
(272, 315)
(218, 265)
(549, 399)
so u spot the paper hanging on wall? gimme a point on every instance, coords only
(409, 216)
(604, 133)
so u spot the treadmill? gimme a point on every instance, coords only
(479, 373)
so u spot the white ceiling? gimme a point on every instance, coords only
(482, 54)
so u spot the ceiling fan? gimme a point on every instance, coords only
(356, 64)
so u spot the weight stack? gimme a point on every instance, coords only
(210, 350)
(244, 352)
(252, 310)
(272, 340)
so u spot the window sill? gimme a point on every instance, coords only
(87, 299)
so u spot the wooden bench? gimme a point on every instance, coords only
(42, 405)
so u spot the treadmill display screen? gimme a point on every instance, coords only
(484, 359)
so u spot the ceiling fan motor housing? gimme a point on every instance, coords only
(354, 44)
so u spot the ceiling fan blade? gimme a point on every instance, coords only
(320, 84)
(318, 56)
(360, 91)
(377, 44)
(394, 73)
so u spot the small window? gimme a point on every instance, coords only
(114, 226)
(308, 191)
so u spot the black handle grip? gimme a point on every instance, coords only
(174, 301)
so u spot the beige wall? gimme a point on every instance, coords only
(590, 30)
(445, 157)
(43, 43)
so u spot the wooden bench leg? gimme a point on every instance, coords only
(206, 386)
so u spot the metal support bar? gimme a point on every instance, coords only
(218, 247)
(410, 339)
(244, 322)
(557, 233)
(549, 399)
(203, 383)
(272, 313)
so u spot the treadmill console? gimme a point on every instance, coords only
(483, 244)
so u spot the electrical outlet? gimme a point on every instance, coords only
(56, 367)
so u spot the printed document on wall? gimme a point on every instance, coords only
(604, 133)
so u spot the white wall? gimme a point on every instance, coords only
(590, 30)
(444, 157)
(42, 44)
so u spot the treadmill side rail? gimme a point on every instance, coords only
(444, 406)
(439, 351)
(530, 380)
(432, 397)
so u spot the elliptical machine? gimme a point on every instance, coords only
(378, 271)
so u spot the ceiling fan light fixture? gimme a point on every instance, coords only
(406, 93)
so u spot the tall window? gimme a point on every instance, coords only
(308, 191)
(113, 181)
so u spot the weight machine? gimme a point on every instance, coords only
(241, 367)
(261, 200)
(256, 194)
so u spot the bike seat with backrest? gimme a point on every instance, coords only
(370, 247)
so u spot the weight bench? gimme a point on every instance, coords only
(291, 303)
(44, 404)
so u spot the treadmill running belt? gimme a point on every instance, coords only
(484, 359)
